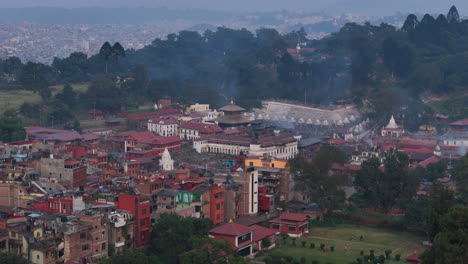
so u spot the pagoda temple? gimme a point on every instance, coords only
(232, 116)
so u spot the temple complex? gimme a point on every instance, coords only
(233, 116)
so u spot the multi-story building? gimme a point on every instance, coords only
(192, 130)
(120, 229)
(248, 192)
(165, 127)
(217, 204)
(70, 172)
(141, 212)
(283, 146)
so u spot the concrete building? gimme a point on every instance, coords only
(70, 172)
(165, 127)
(283, 146)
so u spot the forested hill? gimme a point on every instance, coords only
(388, 65)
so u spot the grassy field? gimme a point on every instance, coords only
(15, 98)
(345, 239)
(77, 87)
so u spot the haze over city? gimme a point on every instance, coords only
(241, 132)
(370, 7)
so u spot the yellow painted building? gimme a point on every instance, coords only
(258, 162)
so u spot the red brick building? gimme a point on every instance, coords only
(292, 224)
(217, 205)
(141, 212)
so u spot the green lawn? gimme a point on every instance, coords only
(77, 87)
(15, 98)
(345, 239)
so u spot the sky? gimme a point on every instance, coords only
(375, 7)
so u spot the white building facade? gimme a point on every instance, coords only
(163, 127)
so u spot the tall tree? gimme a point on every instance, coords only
(440, 201)
(453, 16)
(67, 96)
(106, 53)
(315, 179)
(410, 23)
(385, 187)
(451, 243)
(118, 50)
(11, 129)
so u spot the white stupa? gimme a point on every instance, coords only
(166, 163)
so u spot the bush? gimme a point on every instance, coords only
(315, 262)
(381, 259)
(372, 252)
(322, 246)
(359, 260)
(362, 253)
(303, 243)
(268, 260)
(387, 253)
(332, 248)
(397, 257)
(312, 245)
(294, 242)
(289, 259)
(303, 260)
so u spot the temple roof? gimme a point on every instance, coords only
(231, 107)
(392, 123)
(232, 119)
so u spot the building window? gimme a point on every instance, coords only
(292, 228)
(272, 165)
(251, 163)
(218, 216)
(38, 257)
(218, 206)
(82, 235)
(85, 247)
(142, 222)
(143, 211)
(275, 226)
(244, 238)
(103, 247)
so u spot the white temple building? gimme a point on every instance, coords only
(166, 163)
(392, 129)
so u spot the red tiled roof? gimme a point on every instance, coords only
(293, 217)
(418, 150)
(444, 180)
(413, 258)
(52, 133)
(230, 229)
(260, 232)
(426, 162)
(276, 140)
(90, 136)
(204, 128)
(462, 122)
(337, 141)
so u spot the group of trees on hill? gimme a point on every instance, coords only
(359, 61)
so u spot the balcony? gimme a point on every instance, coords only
(119, 244)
